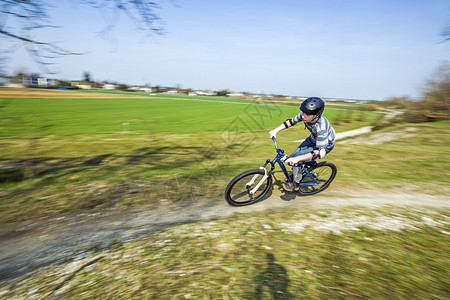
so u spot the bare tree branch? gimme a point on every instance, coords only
(446, 34)
(21, 19)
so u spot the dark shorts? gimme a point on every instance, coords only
(307, 146)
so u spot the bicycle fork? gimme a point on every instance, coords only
(264, 178)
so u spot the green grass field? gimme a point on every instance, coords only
(56, 152)
(150, 115)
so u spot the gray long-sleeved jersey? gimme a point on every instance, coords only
(322, 133)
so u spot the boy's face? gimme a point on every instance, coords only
(307, 118)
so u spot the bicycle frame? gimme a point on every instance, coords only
(281, 158)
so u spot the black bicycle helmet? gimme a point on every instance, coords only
(312, 106)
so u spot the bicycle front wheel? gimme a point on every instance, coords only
(248, 187)
(319, 179)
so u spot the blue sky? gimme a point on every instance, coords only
(349, 49)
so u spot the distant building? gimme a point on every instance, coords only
(40, 82)
(109, 86)
(146, 89)
(171, 91)
(81, 84)
(141, 89)
(205, 93)
(235, 94)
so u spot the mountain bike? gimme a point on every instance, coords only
(253, 185)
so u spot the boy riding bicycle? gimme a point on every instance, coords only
(320, 142)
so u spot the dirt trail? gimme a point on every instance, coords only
(44, 93)
(39, 243)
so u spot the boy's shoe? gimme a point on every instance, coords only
(290, 186)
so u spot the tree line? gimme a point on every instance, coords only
(434, 105)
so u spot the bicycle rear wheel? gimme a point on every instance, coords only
(320, 178)
(239, 190)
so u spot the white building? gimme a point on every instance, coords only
(109, 86)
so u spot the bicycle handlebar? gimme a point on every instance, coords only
(275, 142)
